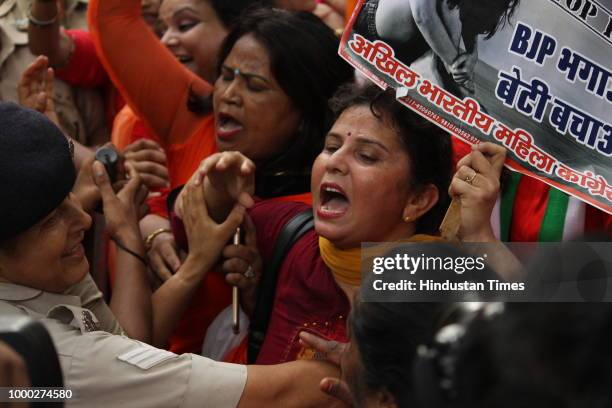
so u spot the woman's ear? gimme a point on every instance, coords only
(420, 202)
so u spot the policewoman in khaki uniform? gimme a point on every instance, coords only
(80, 111)
(103, 350)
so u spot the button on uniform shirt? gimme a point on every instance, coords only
(105, 368)
(80, 111)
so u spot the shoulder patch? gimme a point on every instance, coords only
(145, 356)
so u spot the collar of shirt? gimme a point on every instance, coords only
(36, 299)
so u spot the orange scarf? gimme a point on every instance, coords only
(345, 264)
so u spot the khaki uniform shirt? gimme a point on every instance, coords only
(104, 368)
(80, 111)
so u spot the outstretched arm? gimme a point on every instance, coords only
(153, 82)
(49, 40)
(131, 300)
(206, 241)
(294, 384)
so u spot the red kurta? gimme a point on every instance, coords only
(307, 296)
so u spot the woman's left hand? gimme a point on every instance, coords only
(476, 185)
(330, 351)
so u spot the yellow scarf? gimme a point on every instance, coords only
(345, 264)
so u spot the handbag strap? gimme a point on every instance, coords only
(291, 232)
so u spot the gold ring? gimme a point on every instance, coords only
(469, 179)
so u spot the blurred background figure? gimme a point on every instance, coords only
(80, 111)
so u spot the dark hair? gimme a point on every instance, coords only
(387, 336)
(484, 17)
(229, 12)
(304, 60)
(549, 355)
(427, 145)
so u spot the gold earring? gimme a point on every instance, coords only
(407, 219)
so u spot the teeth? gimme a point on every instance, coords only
(332, 190)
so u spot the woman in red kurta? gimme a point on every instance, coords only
(382, 176)
(269, 99)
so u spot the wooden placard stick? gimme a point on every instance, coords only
(449, 228)
(236, 294)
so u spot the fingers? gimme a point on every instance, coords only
(50, 88)
(140, 200)
(157, 264)
(194, 200)
(234, 219)
(486, 159)
(154, 155)
(143, 144)
(152, 168)
(226, 160)
(245, 165)
(170, 256)
(153, 182)
(134, 180)
(153, 175)
(250, 236)
(205, 167)
(102, 181)
(33, 71)
(332, 349)
(496, 154)
(338, 389)
(239, 280)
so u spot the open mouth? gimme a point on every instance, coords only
(334, 202)
(227, 126)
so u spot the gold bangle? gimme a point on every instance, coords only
(151, 237)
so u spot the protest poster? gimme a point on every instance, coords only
(535, 76)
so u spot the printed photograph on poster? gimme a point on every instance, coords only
(533, 75)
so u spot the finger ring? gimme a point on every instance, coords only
(249, 272)
(470, 179)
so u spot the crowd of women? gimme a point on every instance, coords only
(252, 165)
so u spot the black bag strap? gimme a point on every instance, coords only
(291, 232)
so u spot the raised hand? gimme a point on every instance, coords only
(476, 184)
(205, 237)
(228, 178)
(122, 210)
(35, 89)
